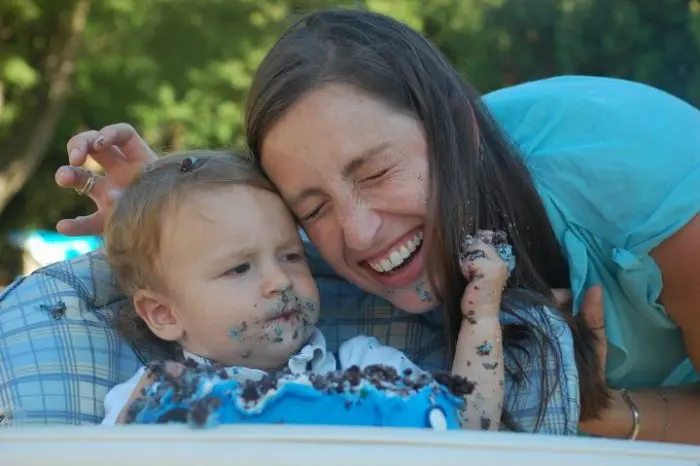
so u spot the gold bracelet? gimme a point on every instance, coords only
(663, 396)
(635, 414)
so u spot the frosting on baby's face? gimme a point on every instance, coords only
(238, 285)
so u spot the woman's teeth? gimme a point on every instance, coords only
(398, 255)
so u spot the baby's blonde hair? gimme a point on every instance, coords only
(135, 227)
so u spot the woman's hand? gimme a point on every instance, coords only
(618, 413)
(593, 316)
(121, 152)
(616, 420)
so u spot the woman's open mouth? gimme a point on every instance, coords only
(399, 256)
(402, 265)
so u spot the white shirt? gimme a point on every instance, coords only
(361, 351)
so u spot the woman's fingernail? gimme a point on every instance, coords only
(99, 142)
(73, 154)
(62, 173)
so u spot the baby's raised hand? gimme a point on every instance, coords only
(486, 261)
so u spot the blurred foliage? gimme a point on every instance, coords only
(178, 70)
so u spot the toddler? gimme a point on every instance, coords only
(213, 263)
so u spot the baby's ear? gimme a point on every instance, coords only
(156, 310)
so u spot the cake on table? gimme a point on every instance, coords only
(206, 396)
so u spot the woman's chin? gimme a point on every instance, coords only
(413, 303)
(414, 298)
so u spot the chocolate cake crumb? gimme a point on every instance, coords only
(381, 372)
(267, 383)
(190, 363)
(174, 415)
(57, 310)
(156, 369)
(353, 375)
(319, 382)
(199, 412)
(136, 407)
(250, 393)
(456, 384)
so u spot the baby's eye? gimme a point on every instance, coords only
(239, 269)
(293, 257)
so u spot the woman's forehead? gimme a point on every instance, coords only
(335, 125)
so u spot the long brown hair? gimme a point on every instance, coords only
(478, 177)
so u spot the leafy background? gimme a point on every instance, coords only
(178, 70)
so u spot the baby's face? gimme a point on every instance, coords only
(237, 278)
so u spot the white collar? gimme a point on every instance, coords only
(312, 357)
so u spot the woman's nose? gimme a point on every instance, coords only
(360, 225)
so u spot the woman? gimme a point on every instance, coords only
(373, 138)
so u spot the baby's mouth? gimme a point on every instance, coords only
(286, 314)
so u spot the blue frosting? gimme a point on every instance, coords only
(214, 400)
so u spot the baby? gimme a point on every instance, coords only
(213, 262)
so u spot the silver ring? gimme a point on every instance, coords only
(89, 184)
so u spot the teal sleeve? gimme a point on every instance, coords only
(617, 165)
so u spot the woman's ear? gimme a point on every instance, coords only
(158, 313)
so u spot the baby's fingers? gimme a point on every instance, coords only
(474, 258)
(480, 257)
(475, 248)
(494, 245)
(472, 255)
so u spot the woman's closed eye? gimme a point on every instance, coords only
(318, 210)
(314, 213)
(375, 176)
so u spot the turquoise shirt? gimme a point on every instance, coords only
(617, 165)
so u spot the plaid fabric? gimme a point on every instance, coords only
(59, 357)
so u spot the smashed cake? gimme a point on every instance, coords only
(206, 396)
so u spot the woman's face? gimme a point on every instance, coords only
(355, 173)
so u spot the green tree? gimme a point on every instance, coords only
(179, 70)
(176, 69)
(40, 47)
(499, 43)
